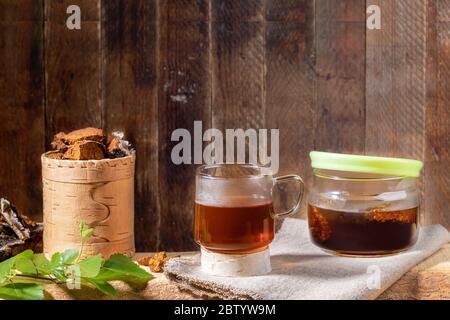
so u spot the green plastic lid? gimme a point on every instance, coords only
(366, 164)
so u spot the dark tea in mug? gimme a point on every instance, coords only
(234, 215)
(238, 225)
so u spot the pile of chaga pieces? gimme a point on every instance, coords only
(17, 232)
(89, 144)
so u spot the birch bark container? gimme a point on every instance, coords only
(99, 192)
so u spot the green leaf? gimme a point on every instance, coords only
(121, 267)
(87, 233)
(81, 225)
(69, 256)
(90, 267)
(22, 291)
(26, 266)
(41, 263)
(56, 267)
(28, 254)
(7, 265)
(103, 286)
(56, 260)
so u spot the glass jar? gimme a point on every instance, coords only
(363, 206)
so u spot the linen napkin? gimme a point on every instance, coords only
(302, 271)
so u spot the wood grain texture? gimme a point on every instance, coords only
(396, 54)
(129, 48)
(307, 67)
(73, 68)
(429, 280)
(437, 136)
(409, 78)
(21, 104)
(183, 97)
(340, 73)
(237, 53)
(396, 83)
(289, 86)
(380, 108)
(238, 70)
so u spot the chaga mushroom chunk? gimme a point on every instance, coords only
(91, 134)
(57, 155)
(85, 150)
(118, 147)
(89, 144)
(62, 139)
(58, 142)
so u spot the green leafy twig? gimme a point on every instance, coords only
(84, 233)
(21, 276)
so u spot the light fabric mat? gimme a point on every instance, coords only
(302, 271)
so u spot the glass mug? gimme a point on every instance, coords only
(234, 207)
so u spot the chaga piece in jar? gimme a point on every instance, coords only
(57, 155)
(62, 139)
(318, 225)
(85, 150)
(363, 206)
(89, 144)
(363, 233)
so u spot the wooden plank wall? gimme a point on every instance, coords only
(437, 125)
(73, 88)
(307, 67)
(407, 101)
(184, 93)
(289, 86)
(340, 74)
(22, 116)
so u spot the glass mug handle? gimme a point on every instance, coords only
(283, 179)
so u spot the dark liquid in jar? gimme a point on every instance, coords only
(371, 233)
(234, 229)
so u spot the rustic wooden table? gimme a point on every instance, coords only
(428, 280)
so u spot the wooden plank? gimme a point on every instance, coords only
(437, 151)
(21, 11)
(129, 41)
(289, 86)
(237, 35)
(237, 65)
(380, 108)
(340, 73)
(428, 280)
(395, 82)
(22, 104)
(183, 97)
(395, 112)
(73, 68)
